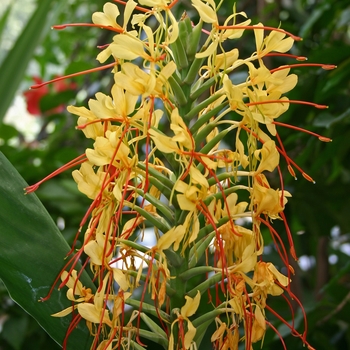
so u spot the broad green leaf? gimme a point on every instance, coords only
(15, 63)
(32, 252)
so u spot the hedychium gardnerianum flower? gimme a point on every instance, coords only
(181, 153)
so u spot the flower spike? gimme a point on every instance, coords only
(181, 175)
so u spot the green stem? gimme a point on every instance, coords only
(204, 286)
(195, 271)
(195, 111)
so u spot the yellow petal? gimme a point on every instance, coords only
(259, 325)
(268, 155)
(121, 279)
(206, 13)
(280, 277)
(163, 143)
(219, 332)
(185, 203)
(108, 16)
(65, 312)
(189, 335)
(91, 314)
(191, 305)
(259, 37)
(127, 47)
(208, 51)
(103, 345)
(170, 237)
(73, 283)
(94, 251)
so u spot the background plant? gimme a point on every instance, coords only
(324, 17)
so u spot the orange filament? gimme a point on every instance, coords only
(321, 138)
(308, 177)
(111, 65)
(323, 66)
(76, 161)
(291, 171)
(287, 101)
(64, 26)
(142, 9)
(298, 58)
(294, 37)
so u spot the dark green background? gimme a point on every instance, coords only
(315, 209)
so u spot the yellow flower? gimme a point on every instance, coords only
(267, 200)
(207, 11)
(174, 235)
(191, 195)
(171, 31)
(268, 156)
(176, 144)
(89, 182)
(138, 82)
(275, 41)
(264, 107)
(75, 287)
(96, 312)
(226, 337)
(188, 310)
(259, 325)
(111, 12)
(263, 283)
(87, 122)
(110, 150)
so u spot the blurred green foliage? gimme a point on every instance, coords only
(317, 212)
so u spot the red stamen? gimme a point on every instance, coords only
(76, 161)
(290, 237)
(278, 334)
(274, 235)
(298, 58)
(324, 139)
(323, 66)
(281, 152)
(321, 138)
(288, 101)
(102, 46)
(294, 37)
(284, 154)
(291, 171)
(142, 9)
(64, 26)
(308, 177)
(74, 323)
(37, 86)
(173, 4)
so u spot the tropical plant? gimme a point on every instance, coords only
(186, 153)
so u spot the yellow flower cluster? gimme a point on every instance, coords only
(180, 156)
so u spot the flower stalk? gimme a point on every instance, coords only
(180, 154)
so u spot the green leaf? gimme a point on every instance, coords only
(313, 18)
(11, 334)
(32, 252)
(7, 132)
(3, 19)
(14, 65)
